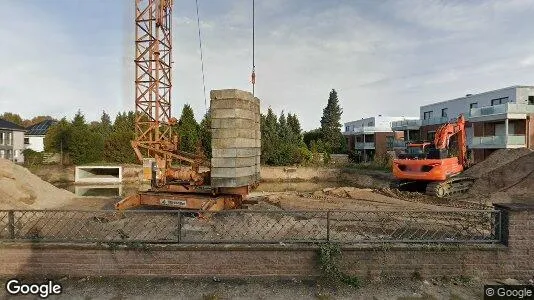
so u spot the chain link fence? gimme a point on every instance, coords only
(252, 227)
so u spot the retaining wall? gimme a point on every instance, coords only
(511, 259)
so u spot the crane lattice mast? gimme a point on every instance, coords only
(153, 58)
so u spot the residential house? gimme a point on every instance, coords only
(35, 134)
(11, 141)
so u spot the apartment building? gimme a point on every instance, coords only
(11, 141)
(371, 137)
(496, 119)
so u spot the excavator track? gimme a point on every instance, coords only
(449, 187)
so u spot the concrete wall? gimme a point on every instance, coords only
(511, 259)
(98, 174)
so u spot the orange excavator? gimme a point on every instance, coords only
(436, 166)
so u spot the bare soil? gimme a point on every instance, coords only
(166, 288)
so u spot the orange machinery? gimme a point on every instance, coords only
(177, 180)
(434, 166)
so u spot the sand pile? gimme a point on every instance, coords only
(507, 176)
(20, 189)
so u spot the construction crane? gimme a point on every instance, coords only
(176, 177)
(434, 166)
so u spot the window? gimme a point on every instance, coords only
(430, 136)
(389, 142)
(9, 154)
(370, 124)
(427, 115)
(346, 130)
(9, 138)
(1, 138)
(26, 141)
(531, 100)
(499, 101)
(473, 105)
(443, 112)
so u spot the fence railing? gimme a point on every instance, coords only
(252, 227)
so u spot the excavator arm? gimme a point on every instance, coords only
(447, 131)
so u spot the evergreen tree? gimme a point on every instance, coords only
(331, 124)
(205, 134)
(188, 130)
(118, 145)
(294, 124)
(58, 137)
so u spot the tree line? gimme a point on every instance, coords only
(283, 140)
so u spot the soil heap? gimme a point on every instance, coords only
(20, 189)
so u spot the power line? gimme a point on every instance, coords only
(201, 58)
(253, 47)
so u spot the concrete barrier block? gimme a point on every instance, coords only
(232, 94)
(234, 143)
(234, 182)
(232, 172)
(232, 103)
(223, 133)
(232, 123)
(228, 162)
(232, 113)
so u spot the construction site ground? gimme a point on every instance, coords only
(507, 175)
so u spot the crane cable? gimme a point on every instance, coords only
(201, 58)
(253, 75)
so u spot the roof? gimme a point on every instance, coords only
(4, 124)
(40, 128)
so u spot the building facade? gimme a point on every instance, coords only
(11, 141)
(372, 137)
(498, 119)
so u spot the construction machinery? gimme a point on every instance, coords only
(436, 167)
(178, 179)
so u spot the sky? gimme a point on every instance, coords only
(383, 57)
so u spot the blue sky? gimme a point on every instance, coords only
(383, 57)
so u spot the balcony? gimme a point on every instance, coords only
(406, 125)
(360, 145)
(500, 112)
(498, 142)
(434, 121)
(399, 144)
(366, 130)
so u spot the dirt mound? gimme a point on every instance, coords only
(20, 189)
(496, 160)
(515, 177)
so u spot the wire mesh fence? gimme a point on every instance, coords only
(248, 226)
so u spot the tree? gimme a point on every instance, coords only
(205, 134)
(188, 130)
(35, 120)
(118, 144)
(12, 117)
(105, 126)
(58, 137)
(331, 124)
(294, 124)
(86, 145)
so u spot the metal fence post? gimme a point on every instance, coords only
(179, 226)
(11, 223)
(328, 226)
